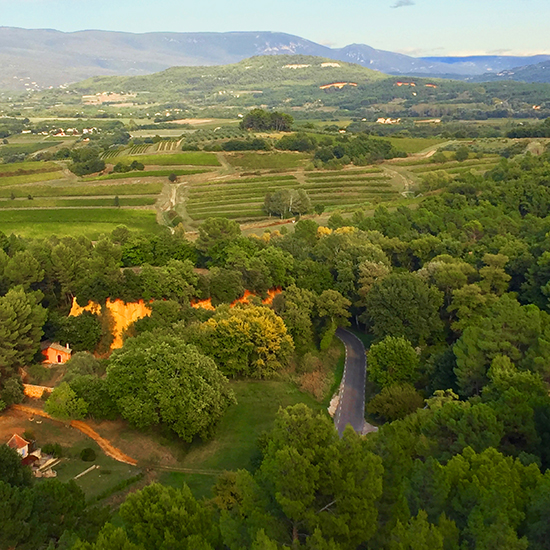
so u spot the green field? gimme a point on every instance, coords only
(176, 159)
(82, 190)
(97, 482)
(27, 148)
(267, 161)
(235, 442)
(453, 165)
(30, 178)
(27, 167)
(89, 222)
(145, 174)
(414, 145)
(75, 203)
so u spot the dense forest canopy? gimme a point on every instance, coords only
(455, 294)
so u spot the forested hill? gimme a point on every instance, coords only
(248, 75)
(539, 72)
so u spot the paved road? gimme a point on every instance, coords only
(351, 409)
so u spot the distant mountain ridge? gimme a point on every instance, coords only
(537, 73)
(37, 59)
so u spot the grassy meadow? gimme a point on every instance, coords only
(89, 222)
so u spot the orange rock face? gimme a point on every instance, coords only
(35, 392)
(244, 299)
(124, 314)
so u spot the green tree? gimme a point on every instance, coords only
(333, 307)
(161, 379)
(519, 332)
(287, 202)
(164, 518)
(21, 321)
(215, 233)
(401, 304)
(81, 332)
(493, 277)
(250, 341)
(12, 472)
(462, 153)
(109, 538)
(81, 364)
(13, 391)
(23, 269)
(392, 361)
(395, 402)
(320, 482)
(95, 393)
(455, 425)
(418, 534)
(64, 403)
(296, 307)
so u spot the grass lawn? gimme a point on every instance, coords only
(30, 178)
(83, 190)
(98, 481)
(72, 441)
(267, 161)
(414, 145)
(15, 149)
(75, 202)
(194, 158)
(145, 174)
(28, 166)
(74, 222)
(234, 443)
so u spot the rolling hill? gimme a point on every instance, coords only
(42, 58)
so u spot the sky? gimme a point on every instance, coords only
(413, 27)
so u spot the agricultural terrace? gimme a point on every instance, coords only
(44, 198)
(243, 198)
(39, 198)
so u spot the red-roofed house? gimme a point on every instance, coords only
(19, 444)
(55, 353)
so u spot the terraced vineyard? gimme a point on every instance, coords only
(453, 167)
(242, 199)
(167, 146)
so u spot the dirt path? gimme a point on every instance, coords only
(105, 446)
(226, 167)
(398, 177)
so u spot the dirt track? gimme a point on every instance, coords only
(106, 447)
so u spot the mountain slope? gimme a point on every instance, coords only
(538, 73)
(250, 75)
(34, 59)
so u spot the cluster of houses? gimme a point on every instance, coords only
(41, 464)
(383, 120)
(69, 132)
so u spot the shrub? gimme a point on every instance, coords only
(396, 402)
(54, 449)
(29, 435)
(87, 454)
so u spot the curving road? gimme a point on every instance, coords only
(351, 408)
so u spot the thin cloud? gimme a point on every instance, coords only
(403, 4)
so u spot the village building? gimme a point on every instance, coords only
(41, 465)
(19, 444)
(55, 353)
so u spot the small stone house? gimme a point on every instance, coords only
(19, 444)
(56, 354)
